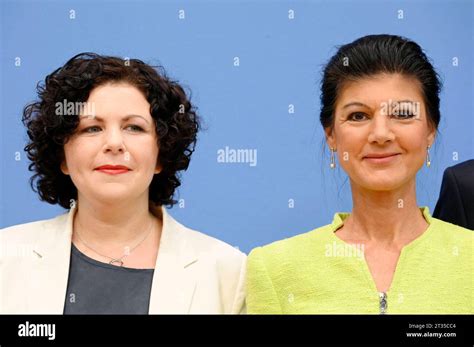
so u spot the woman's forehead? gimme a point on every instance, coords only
(379, 90)
(118, 100)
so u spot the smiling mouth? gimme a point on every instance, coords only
(113, 169)
(382, 159)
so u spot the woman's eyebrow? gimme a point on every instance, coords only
(355, 103)
(403, 101)
(100, 119)
(135, 115)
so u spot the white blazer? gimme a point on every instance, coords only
(194, 273)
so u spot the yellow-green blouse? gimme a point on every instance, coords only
(317, 272)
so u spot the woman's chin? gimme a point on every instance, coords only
(382, 183)
(111, 197)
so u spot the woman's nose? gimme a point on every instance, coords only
(380, 130)
(114, 141)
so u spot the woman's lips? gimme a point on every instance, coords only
(382, 160)
(113, 171)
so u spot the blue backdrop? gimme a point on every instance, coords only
(254, 71)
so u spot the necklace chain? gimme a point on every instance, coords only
(117, 260)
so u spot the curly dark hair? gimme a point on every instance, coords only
(176, 122)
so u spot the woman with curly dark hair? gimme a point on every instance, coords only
(107, 140)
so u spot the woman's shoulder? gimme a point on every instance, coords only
(206, 243)
(216, 256)
(30, 230)
(203, 243)
(296, 246)
(447, 232)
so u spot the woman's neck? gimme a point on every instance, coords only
(113, 225)
(387, 217)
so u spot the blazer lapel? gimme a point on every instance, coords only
(47, 283)
(174, 279)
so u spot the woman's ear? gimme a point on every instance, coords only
(431, 136)
(330, 137)
(64, 168)
(158, 168)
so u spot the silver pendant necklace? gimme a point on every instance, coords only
(119, 260)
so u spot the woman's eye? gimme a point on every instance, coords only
(96, 129)
(135, 128)
(404, 115)
(357, 116)
(92, 129)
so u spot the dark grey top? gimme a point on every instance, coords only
(99, 288)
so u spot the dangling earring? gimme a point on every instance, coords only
(332, 165)
(428, 159)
